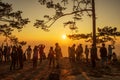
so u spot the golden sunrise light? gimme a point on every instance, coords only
(59, 39)
(64, 36)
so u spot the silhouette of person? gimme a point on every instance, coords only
(29, 52)
(86, 53)
(69, 54)
(41, 52)
(1, 54)
(51, 57)
(20, 57)
(79, 52)
(13, 58)
(58, 53)
(35, 56)
(114, 58)
(8, 53)
(73, 52)
(103, 55)
(5, 53)
(110, 48)
(93, 56)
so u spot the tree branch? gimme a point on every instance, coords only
(6, 20)
(66, 15)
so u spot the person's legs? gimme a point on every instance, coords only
(103, 61)
(50, 60)
(93, 63)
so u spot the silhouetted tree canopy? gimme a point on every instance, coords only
(15, 41)
(104, 34)
(79, 8)
(10, 20)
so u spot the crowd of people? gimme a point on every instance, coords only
(13, 54)
(5, 52)
(107, 56)
(16, 56)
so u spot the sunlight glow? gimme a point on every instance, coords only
(64, 36)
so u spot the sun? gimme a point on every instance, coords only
(63, 36)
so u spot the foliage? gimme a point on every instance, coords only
(79, 36)
(109, 31)
(71, 24)
(79, 8)
(15, 40)
(104, 34)
(10, 20)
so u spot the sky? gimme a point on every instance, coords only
(107, 13)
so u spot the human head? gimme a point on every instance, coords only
(114, 53)
(56, 44)
(14, 47)
(103, 44)
(92, 45)
(20, 46)
(51, 47)
(86, 46)
(73, 45)
(109, 45)
(29, 46)
(35, 47)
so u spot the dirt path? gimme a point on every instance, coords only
(72, 71)
(67, 71)
(42, 72)
(27, 73)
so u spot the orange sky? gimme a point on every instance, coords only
(107, 12)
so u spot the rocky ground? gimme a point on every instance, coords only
(66, 71)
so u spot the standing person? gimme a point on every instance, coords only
(13, 58)
(1, 54)
(29, 52)
(114, 58)
(86, 53)
(2, 50)
(103, 55)
(81, 51)
(58, 53)
(41, 52)
(78, 53)
(93, 56)
(5, 53)
(17, 56)
(110, 48)
(8, 53)
(35, 56)
(20, 57)
(51, 57)
(73, 52)
(69, 54)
